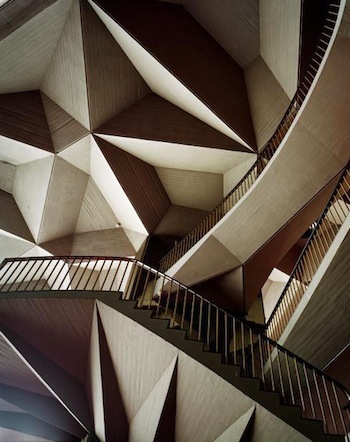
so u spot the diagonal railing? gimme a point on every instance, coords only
(267, 152)
(319, 242)
(298, 383)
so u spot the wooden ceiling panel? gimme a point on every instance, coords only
(59, 328)
(198, 190)
(113, 83)
(234, 25)
(65, 78)
(111, 242)
(16, 373)
(179, 220)
(7, 176)
(140, 182)
(30, 191)
(11, 219)
(217, 80)
(79, 154)
(64, 129)
(22, 118)
(16, 13)
(95, 213)
(26, 53)
(154, 118)
(12, 246)
(62, 206)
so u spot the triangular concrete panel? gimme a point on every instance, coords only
(239, 429)
(64, 129)
(30, 191)
(24, 61)
(157, 119)
(11, 245)
(79, 154)
(22, 118)
(95, 213)
(147, 424)
(12, 219)
(63, 201)
(160, 78)
(65, 81)
(113, 83)
(116, 421)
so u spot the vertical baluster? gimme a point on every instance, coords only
(17, 279)
(301, 395)
(271, 366)
(208, 326)
(225, 338)
(184, 309)
(123, 276)
(280, 373)
(115, 275)
(60, 273)
(243, 349)
(91, 273)
(234, 332)
(309, 391)
(289, 379)
(200, 318)
(252, 351)
(320, 402)
(262, 374)
(107, 274)
(175, 306)
(329, 404)
(192, 311)
(168, 298)
(340, 412)
(217, 331)
(26, 275)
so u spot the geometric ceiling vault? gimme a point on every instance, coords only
(104, 138)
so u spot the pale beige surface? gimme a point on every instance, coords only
(24, 60)
(137, 354)
(95, 213)
(109, 242)
(179, 220)
(15, 152)
(16, 436)
(13, 246)
(145, 423)
(279, 40)
(65, 78)
(30, 191)
(94, 382)
(199, 190)
(7, 176)
(235, 432)
(234, 175)
(65, 194)
(79, 154)
(267, 99)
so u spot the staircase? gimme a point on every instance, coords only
(290, 388)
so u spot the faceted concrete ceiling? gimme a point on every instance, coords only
(101, 143)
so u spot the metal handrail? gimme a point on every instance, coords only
(266, 153)
(313, 253)
(257, 356)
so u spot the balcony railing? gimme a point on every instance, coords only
(322, 237)
(267, 152)
(299, 383)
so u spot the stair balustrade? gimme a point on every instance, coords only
(241, 346)
(265, 154)
(322, 237)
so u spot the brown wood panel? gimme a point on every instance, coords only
(59, 328)
(179, 220)
(113, 84)
(11, 219)
(18, 12)
(140, 183)
(64, 129)
(154, 118)
(339, 369)
(22, 117)
(175, 39)
(260, 265)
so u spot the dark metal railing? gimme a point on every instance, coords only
(265, 155)
(257, 356)
(319, 242)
